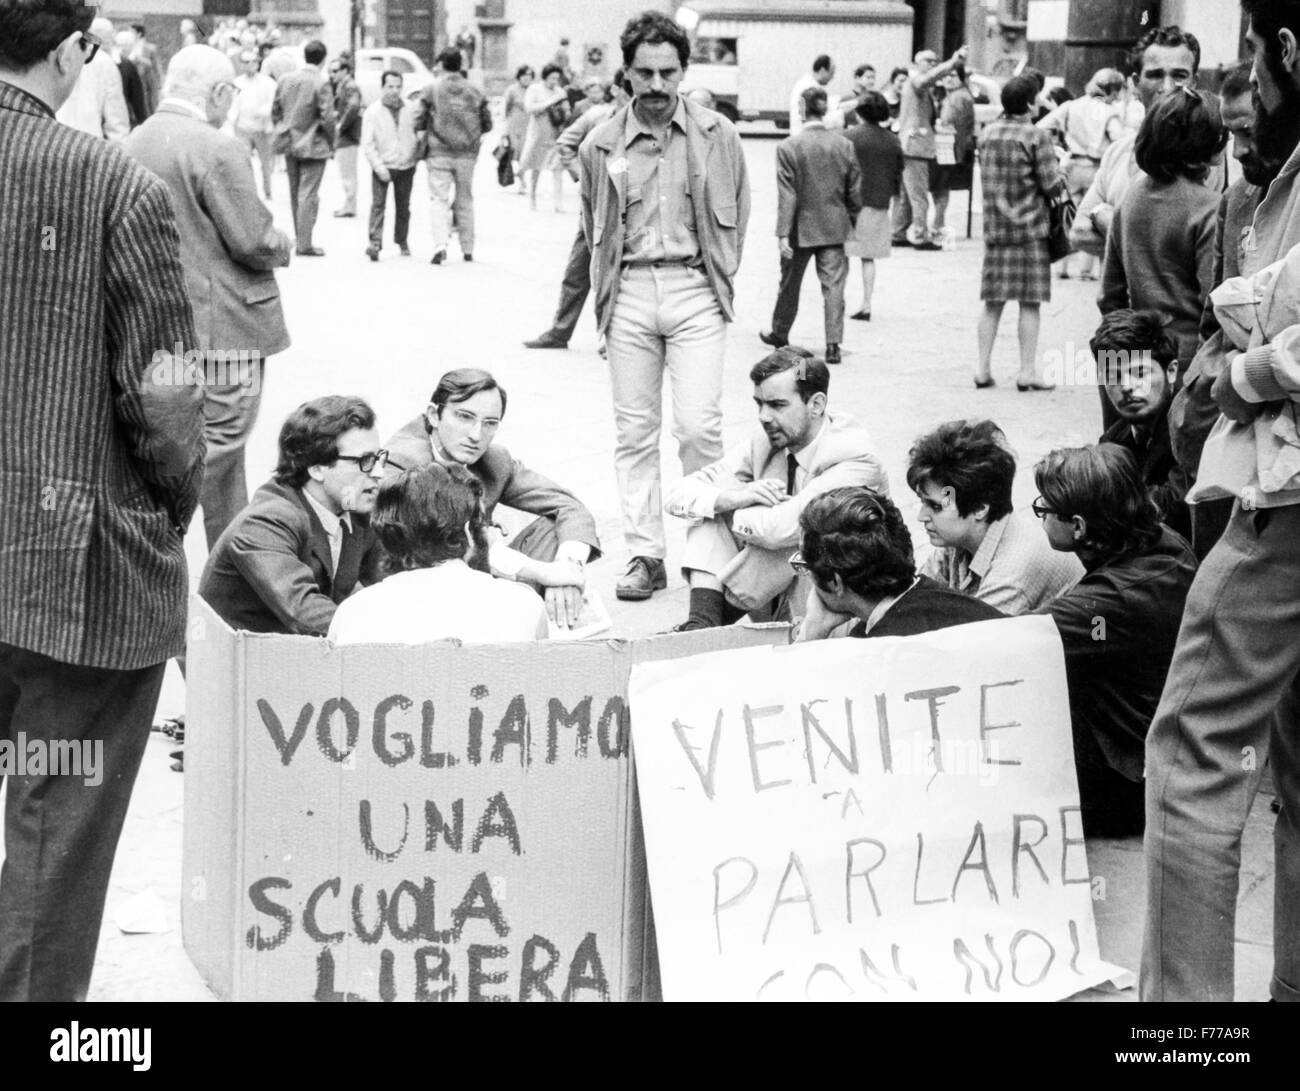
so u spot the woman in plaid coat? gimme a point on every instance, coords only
(1019, 170)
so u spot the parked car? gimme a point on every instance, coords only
(373, 63)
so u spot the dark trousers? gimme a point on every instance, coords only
(402, 182)
(573, 290)
(60, 832)
(832, 271)
(304, 196)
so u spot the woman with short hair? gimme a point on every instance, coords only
(516, 118)
(547, 103)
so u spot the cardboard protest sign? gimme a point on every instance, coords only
(888, 819)
(438, 822)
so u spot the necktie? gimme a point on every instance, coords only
(791, 465)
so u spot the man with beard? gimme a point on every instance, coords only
(1231, 695)
(1194, 410)
(744, 508)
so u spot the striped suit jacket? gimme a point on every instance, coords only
(101, 448)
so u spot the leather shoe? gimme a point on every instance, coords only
(644, 576)
(833, 354)
(341, 215)
(861, 316)
(468, 257)
(773, 339)
(548, 340)
(372, 252)
(406, 251)
(927, 245)
(311, 252)
(439, 257)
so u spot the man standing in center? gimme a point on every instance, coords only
(456, 115)
(818, 184)
(916, 131)
(665, 202)
(303, 114)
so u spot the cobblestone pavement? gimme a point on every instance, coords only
(387, 331)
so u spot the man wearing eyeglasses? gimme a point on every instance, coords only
(97, 104)
(305, 542)
(230, 248)
(99, 477)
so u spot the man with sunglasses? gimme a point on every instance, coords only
(230, 248)
(99, 477)
(857, 549)
(305, 542)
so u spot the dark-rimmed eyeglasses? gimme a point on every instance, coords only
(90, 45)
(797, 563)
(368, 461)
(1041, 509)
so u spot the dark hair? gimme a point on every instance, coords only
(1040, 80)
(31, 29)
(822, 61)
(389, 72)
(653, 28)
(461, 384)
(899, 71)
(1060, 95)
(310, 435)
(449, 60)
(313, 52)
(1102, 484)
(344, 60)
(620, 81)
(547, 69)
(863, 69)
(972, 459)
(1267, 17)
(1125, 333)
(1018, 95)
(1180, 133)
(138, 28)
(1170, 37)
(811, 374)
(524, 68)
(858, 535)
(421, 516)
(814, 102)
(873, 107)
(1236, 82)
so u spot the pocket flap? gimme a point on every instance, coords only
(726, 215)
(259, 293)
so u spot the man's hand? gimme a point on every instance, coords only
(563, 606)
(766, 493)
(818, 622)
(960, 56)
(383, 175)
(787, 251)
(1100, 218)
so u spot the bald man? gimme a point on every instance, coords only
(230, 248)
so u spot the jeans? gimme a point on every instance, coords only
(1230, 701)
(402, 181)
(832, 271)
(444, 173)
(664, 318)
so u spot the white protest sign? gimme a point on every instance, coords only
(887, 819)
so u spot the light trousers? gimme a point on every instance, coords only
(346, 158)
(665, 318)
(912, 210)
(445, 174)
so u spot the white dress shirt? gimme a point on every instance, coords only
(333, 525)
(448, 600)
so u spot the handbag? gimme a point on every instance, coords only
(1060, 218)
(505, 168)
(558, 113)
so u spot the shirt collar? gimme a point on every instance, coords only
(187, 107)
(979, 564)
(636, 127)
(804, 456)
(331, 522)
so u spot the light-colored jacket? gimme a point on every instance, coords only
(252, 110)
(841, 454)
(718, 185)
(388, 142)
(97, 104)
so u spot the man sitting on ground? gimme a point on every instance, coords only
(963, 472)
(1118, 624)
(459, 427)
(856, 546)
(745, 507)
(430, 523)
(1137, 362)
(304, 542)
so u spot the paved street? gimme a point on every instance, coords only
(388, 331)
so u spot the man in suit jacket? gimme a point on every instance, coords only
(819, 194)
(745, 507)
(458, 427)
(97, 104)
(305, 542)
(230, 248)
(99, 476)
(303, 115)
(857, 549)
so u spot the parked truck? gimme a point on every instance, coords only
(750, 55)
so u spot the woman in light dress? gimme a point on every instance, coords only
(516, 115)
(539, 144)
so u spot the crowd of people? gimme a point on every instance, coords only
(1161, 552)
